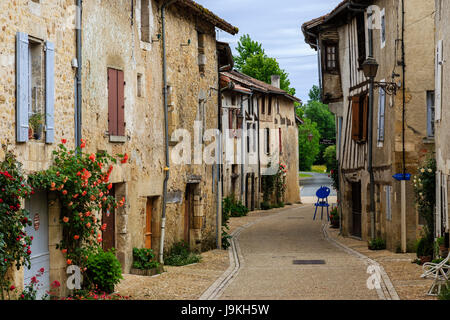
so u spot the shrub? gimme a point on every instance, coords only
(377, 244)
(144, 259)
(233, 207)
(81, 182)
(424, 248)
(445, 292)
(103, 270)
(265, 205)
(180, 255)
(15, 244)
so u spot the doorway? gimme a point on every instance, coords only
(149, 225)
(109, 217)
(37, 205)
(356, 209)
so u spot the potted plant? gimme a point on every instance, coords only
(144, 263)
(334, 218)
(424, 250)
(36, 122)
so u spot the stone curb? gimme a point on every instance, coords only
(387, 290)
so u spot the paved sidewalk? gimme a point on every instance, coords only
(405, 276)
(267, 251)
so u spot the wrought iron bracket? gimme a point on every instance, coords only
(389, 87)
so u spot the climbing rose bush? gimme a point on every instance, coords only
(15, 244)
(81, 182)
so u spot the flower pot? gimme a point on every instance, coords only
(38, 133)
(148, 272)
(425, 259)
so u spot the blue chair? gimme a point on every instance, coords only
(322, 201)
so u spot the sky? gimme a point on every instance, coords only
(277, 25)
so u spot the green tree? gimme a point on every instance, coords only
(308, 141)
(253, 61)
(319, 113)
(330, 157)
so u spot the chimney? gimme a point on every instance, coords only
(275, 79)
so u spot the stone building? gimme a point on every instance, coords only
(127, 58)
(37, 80)
(442, 116)
(270, 135)
(136, 59)
(399, 35)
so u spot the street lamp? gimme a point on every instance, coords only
(310, 137)
(370, 67)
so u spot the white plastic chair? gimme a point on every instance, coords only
(440, 272)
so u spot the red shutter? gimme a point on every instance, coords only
(120, 104)
(355, 119)
(365, 118)
(112, 102)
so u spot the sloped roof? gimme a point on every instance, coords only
(209, 16)
(344, 6)
(257, 85)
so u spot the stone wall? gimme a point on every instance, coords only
(48, 21)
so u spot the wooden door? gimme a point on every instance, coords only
(108, 217)
(40, 254)
(188, 208)
(148, 223)
(356, 209)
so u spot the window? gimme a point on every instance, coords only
(269, 106)
(381, 112)
(116, 104)
(361, 32)
(35, 89)
(145, 20)
(263, 106)
(267, 140)
(359, 118)
(383, 28)
(280, 141)
(331, 57)
(430, 114)
(139, 85)
(201, 52)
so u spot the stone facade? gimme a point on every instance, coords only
(343, 43)
(271, 112)
(123, 37)
(112, 40)
(32, 19)
(442, 38)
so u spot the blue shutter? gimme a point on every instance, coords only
(22, 87)
(49, 92)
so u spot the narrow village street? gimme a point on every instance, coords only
(270, 249)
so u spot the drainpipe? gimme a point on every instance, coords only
(78, 103)
(219, 164)
(166, 130)
(370, 138)
(403, 182)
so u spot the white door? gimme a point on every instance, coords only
(40, 256)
